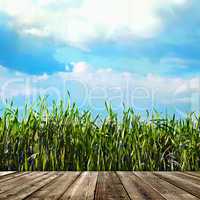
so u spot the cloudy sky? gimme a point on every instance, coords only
(144, 53)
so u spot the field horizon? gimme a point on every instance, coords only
(63, 138)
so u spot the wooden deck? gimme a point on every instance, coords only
(100, 185)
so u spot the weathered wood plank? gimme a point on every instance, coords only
(12, 176)
(109, 187)
(83, 188)
(137, 188)
(196, 174)
(189, 184)
(56, 188)
(6, 173)
(12, 183)
(189, 177)
(166, 189)
(100, 185)
(26, 188)
(131, 186)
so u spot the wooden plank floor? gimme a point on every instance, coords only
(100, 185)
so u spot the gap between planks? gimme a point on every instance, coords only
(100, 185)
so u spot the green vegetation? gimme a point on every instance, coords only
(63, 138)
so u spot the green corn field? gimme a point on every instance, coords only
(63, 138)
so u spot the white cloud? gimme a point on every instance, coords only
(85, 83)
(165, 90)
(15, 84)
(36, 32)
(43, 77)
(80, 67)
(91, 20)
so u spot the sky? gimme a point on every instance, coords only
(142, 53)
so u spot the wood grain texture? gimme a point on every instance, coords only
(110, 187)
(56, 188)
(6, 173)
(137, 188)
(131, 186)
(9, 184)
(196, 174)
(11, 176)
(189, 184)
(167, 190)
(83, 188)
(100, 186)
(26, 188)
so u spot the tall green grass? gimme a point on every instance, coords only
(63, 138)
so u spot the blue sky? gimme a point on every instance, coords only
(144, 53)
